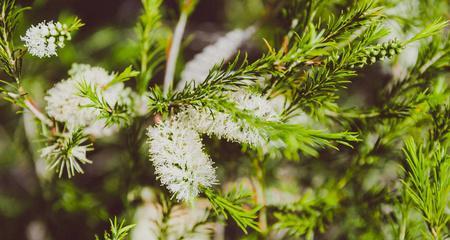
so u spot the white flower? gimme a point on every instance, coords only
(180, 162)
(258, 105)
(184, 222)
(190, 223)
(67, 153)
(65, 105)
(224, 125)
(223, 49)
(42, 40)
(148, 219)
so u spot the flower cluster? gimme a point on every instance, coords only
(183, 222)
(43, 39)
(179, 159)
(65, 104)
(223, 49)
(226, 126)
(67, 152)
(176, 149)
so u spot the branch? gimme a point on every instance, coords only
(173, 52)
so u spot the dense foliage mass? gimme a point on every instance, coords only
(307, 120)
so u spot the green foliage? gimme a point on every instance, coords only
(440, 132)
(230, 205)
(63, 153)
(211, 93)
(75, 25)
(295, 136)
(432, 29)
(150, 42)
(124, 76)
(307, 215)
(314, 50)
(428, 184)
(10, 56)
(356, 16)
(118, 114)
(117, 231)
(307, 140)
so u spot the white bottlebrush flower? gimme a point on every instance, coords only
(190, 222)
(184, 222)
(148, 219)
(223, 49)
(224, 125)
(258, 105)
(179, 159)
(67, 153)
(66, 105)
(44, 39)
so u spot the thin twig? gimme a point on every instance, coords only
(173, 52)
(38, 114)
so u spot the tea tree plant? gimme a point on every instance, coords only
(245, 145)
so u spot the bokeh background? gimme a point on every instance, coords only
(36, 206)
(31, 205)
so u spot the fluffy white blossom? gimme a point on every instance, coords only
(223, 49)
(66, 105)
(190, 222)
(184, 222)
(67, 153)
(43, 40)
(148, 219)
(179, 159)
(224, 125)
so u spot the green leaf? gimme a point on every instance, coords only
(75, 25)
(227, 207)
(117, 231)
(123, 76)
(430, 30)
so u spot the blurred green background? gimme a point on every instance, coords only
(34, 205)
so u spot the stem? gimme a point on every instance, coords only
(402, 234)
(434, 232)
(37, 113)
(11, 60)
(261, 194)
(173, 52)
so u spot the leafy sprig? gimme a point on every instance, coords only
(10, 56)
(124, 76)
(117, 114)
(117, 231)
(307, 215)
(66, 151)
(151, 43)
(427, 183)
(227, 206)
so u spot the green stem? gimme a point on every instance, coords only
(261, 194)
(402, 234)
